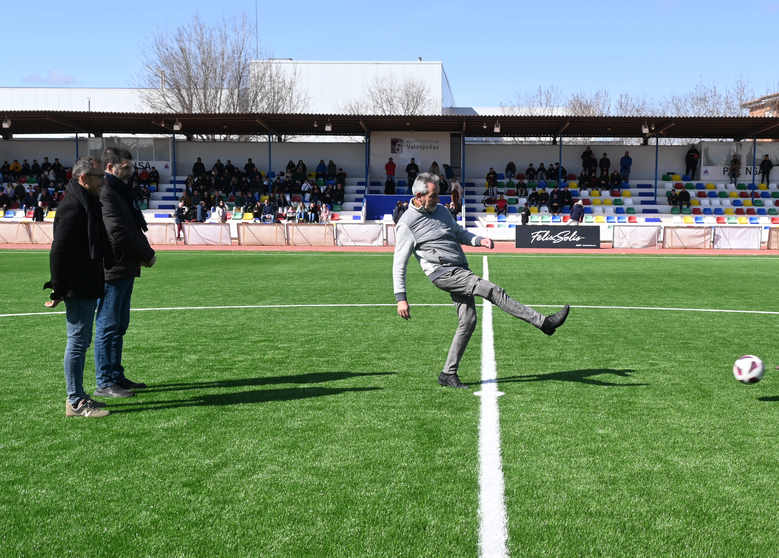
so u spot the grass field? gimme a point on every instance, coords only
(321, 431)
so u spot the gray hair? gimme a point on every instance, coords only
(84, 165)
(115, 155)
(422, 181)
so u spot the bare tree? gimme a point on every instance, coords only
(583, 104)
(213, 69)
(388, 95)
(540, 102)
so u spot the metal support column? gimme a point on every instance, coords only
(462, 183)
(174, 165)
(560, 160)
(270, 166)
(657, 160)
(367, 162)
(754, 159)
(76, 144)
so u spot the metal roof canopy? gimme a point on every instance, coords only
(103, 123)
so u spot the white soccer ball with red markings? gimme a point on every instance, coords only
(749, 369)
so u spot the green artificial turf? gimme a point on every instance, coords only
(321, 431)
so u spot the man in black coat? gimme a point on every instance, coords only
(765, 169)
(684, 198)
(412, 170)
(691, 161)
(125, 225)
(605, 163)
(181, 217)
(79, 254)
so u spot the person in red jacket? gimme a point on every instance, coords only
(389, 169)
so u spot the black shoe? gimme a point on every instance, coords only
(450, 380)
(127, 384)
(551, 323)
(113, 391)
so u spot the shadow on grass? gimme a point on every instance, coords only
(253, 396)
(310, 378)
(579, 376)
(773, 398)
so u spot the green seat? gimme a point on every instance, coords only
(723, 194)
(741, 186)
(675, 211)
(775, 194)
(510, 185)
(513, 201)
(551, 184)
(668, 193)
(501, 225)
(532, 184)
(546, 218)
(689, 186)
(618, 201)
(773, 211)
(500, 184)
(237, 215)
(230, 205)
(320, 182)
(143, 205)
(535, 218)
(732, 220)
(758, 203)
(686, 211)
(630, 210)
(666, 178)
(224, 197)
(336, 207)
(589, 218)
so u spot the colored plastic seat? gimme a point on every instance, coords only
(600, 218)
(708, 211)
(591, 219)
(697, 211)
(732, 220)
(632, 219)
(630, 210)
(688, 220)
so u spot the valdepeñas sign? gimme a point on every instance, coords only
(539, 236)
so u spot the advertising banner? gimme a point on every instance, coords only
(163, 167)
(720, 174)
(539, 236)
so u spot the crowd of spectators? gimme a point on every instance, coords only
(36, 186)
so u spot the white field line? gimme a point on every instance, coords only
(493, 528)
(259, 306)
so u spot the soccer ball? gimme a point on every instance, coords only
(749, 369)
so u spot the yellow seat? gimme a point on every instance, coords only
(762, 186)
(747, 203)
(533, 210)
(596, 201)
(311, 175)
(695, 202)
(710, 186)
(626, 194)
(600, 218)
(248, 216)
(743, 221)
(263, 199)
(607, 201)
(733, 194)
(688, 220)
(594, 194)
(490, 209)
(676, 178)
(729, 211)
(51, 214)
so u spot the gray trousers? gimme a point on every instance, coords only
(463, 286)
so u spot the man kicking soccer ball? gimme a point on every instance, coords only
(429, 231)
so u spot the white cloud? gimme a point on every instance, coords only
(52, 77)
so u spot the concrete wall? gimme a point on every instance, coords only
(65, 150)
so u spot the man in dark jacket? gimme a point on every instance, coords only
(125, 225)
(684, 198)
(577, 213)
(79, 253)
(765, 169)
(691, 161)
(181, 217)
(412, 170)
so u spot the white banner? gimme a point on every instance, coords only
(311, 235)
(207, 234)
(720, 174)
(41, 232)
(163, 167)
(424, 147)
(360, 235)
(687, 237)
(161, 233)
(261, 234)
(390, 234)
(737, 238)
(14, 233)
(636, 237)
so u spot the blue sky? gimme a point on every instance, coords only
(490, 50)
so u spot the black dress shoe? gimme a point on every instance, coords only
(450, 380)
(113, 391)
(127, 384)
(551, 323)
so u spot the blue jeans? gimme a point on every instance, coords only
(79, 314)
(113, 319)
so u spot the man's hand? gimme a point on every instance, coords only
(487, 243)
(52, 303)
(403, 310)
(151, 262)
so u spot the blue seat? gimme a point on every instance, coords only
(653, 220)
(625, 186)
(587, 210)
(700, 186)
(761, 211)
(754, 221)
(651, 211)
(566, 210)
(622, 219)
(686, 178)
(401, 190)
(752, 186)
(512, 226)
(619, 210)
(575, 193)
(765, 194)
(611, 218)
(712, 194)
(699, 220)
(512, 209)
(402, 183)
(272, 174)
(737, 202)
(557, 219)
(501, 218)
(708, 211)
(719, 211)
(9, 214)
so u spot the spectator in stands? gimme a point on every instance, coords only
(300, 213)
(684, 198)
(673, 199)
(290, 168)
(59, 170)
(525, 213)
(5, 202)
(510, 170)
(313, 213)
(181, 215)
(543, 197)
(240, 201)
(541, 173)
(555, 200)
(332, 170)
(521, 188)
(691, 161)
(29, 201)
(530, 173)
(397, 212)
(456, 192)
(221, 212)
(327, 195)
(306, 191)
(586, 156)
(434, 169)
(316, 193)
(5, 171)
(389, 169)
(412, 170)
(154, 177)
(298, 176)
(765, 169)
(35, 168)
(560, 174)
(567, 197)
(44, 197)
(340, 177)
(605, 163)
(249, 167)
(389, 186)
(443, 185)
(45, 165)
(492, 184)
(592, 165)
(302, 166)
(321, 170)
(202, 213)
(603, 181)
(615, 179)
(454, 209)
(268, 212)
(144, 177)
(324, 213)
(624, 166)
(26, 168)
(16, 169)
(198, 169)
(501, 205)
(532, 198)
(38, 212)
(448, 172)
(577, 213)
(291, 211)
(338, 195)
(735, 169)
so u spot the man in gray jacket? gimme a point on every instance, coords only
(428, 230)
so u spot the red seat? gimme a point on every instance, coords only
(571, 177)
(703, 194)
(566, 218)
(632, 219)
(521, 176)
(335, 217)
(697, 211)
(586, 201)
(615, 193)
(721, 220)
(14, 205)
(751, 211)
(743, 194)
(297, 198)
(740, 211)
(29, 214)
(775, 220)
(679, 186)
(511, 192)
(490, 226)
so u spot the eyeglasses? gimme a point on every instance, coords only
(92, 174)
